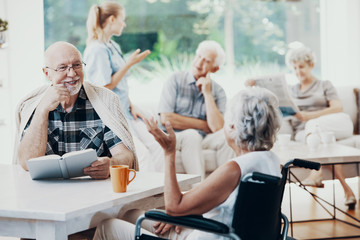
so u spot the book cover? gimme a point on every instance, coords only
(67, 166)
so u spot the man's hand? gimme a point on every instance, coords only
(162, 228)
(204, 84)
(99, 169)
(167, 141)
(54, 95)
(137, 57)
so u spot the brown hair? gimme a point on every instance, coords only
(97, 17)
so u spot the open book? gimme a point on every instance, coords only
(67, 166)
(277, 84)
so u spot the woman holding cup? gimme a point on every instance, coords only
(251, 124)
(320, 112)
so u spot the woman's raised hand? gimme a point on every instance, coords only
(137, 57)
(167, 141)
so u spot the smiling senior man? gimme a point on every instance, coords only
(71, 115)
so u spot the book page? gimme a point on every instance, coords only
(277, 84)
(44, 167)
(76, 161)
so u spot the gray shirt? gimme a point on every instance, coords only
(180, 95)
(316, 97)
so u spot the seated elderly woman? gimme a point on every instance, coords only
(320, 110)
(251, 124)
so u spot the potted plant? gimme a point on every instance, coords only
(3, 29)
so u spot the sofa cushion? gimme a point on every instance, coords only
(347, 99)
(357, 122)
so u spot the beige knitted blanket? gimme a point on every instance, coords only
(105, 102)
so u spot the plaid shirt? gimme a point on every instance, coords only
(79, 129)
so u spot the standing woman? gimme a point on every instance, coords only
(105, 63)
(105, 66)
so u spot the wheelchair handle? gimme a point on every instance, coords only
(265, 177)
(306, 164)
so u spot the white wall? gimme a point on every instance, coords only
(340, 41)
(24, 58)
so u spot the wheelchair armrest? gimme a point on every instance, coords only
(303, 163)
(190, 221)
(307, 164)
(265, 177)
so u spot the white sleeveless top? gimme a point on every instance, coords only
(262, 161)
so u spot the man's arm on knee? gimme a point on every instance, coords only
(181, 122)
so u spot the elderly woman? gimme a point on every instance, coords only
(251, 124)
(320, 110)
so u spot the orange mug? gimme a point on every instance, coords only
(120, 177)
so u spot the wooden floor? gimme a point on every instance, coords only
(304, 208)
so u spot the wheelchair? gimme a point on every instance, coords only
(257, 211)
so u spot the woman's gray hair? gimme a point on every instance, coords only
(300, 55)
(254, 113)
(210, 44)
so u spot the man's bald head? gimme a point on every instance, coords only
(63, 65)
(59, 48)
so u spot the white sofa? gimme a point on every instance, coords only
(213, 159)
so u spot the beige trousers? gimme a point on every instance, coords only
(190, 144)
(149, 152)
(339, 123)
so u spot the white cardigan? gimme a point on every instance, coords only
(105, 102)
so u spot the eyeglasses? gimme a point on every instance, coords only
(75, 66)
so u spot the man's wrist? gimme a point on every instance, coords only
(171, 153)
(207, 94)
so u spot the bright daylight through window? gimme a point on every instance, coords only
(254, 33)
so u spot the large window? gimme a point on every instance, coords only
(254, 33)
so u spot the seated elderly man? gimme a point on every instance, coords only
(71, 115)
(194, 105)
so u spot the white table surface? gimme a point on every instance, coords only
(324, 154)
(53, 209)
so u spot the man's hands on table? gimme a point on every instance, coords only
(99, 169)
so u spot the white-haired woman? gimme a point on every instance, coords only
(251, 124)
(106, 66)
(320, 110)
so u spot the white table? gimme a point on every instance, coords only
(324, 154)
(53, 209)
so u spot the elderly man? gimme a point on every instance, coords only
(194, 105)
(71, 115)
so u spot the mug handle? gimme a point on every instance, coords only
(132, 170)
